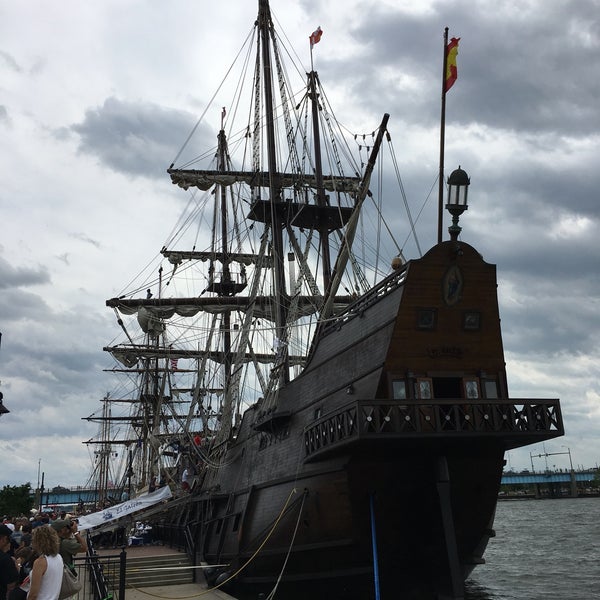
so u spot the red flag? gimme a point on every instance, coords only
(451, 70)
(315, 36)
(174, 362)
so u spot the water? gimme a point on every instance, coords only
(543, 549)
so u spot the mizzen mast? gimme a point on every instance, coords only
(320, 189)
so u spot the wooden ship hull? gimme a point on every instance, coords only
(383, 460)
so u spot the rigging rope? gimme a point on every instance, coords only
(287, 556)
(257, 551)
(403, 193)
(189, 137)
(273, 591)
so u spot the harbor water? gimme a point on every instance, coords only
(543, 549)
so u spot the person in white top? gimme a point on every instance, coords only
(47, 572)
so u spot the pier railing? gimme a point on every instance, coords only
(103, 577)
(513, 423)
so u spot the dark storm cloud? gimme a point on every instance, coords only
(544, 321)
(572, 187)
(70, 364)
(50, 367)
(133, 138)
(547, 256)
(12, 277)
(16, 304)
(541, 261)
(517, 70)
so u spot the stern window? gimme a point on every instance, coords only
(399, 389)
(471, 388)
(424, 391)
(491, 389)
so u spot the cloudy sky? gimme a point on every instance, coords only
(96, 98)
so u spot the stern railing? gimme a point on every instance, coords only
(514, 422)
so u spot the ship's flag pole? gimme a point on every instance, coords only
(449, 75)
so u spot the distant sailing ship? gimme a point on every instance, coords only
(343, 423)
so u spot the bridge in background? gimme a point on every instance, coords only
(550, 483)
(528, 484)
(63, 498)
(549, 477)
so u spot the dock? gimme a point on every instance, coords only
(199, 589)
(176, 592)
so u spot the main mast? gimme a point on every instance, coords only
(281, 298)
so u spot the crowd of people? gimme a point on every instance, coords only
(33, 552)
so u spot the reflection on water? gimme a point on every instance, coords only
(474, 591)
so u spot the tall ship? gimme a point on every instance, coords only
(331, 418)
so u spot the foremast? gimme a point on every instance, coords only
(348, 239)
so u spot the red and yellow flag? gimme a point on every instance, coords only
(451, 71)
(315, 36)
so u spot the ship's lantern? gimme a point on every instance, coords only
(458, 189)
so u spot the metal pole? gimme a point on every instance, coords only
(569, 453)
(442, 140)
(122, 573)
(570, 461)
(41, 493)
(374, 544)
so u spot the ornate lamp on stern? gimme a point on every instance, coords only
(458, 188)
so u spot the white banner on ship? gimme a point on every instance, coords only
(125, 508)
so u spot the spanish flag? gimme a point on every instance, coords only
(451, 71)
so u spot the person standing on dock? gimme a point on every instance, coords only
(71, 541)
(8, 569)
(46, 575)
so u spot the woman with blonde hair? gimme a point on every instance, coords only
(47, 572)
